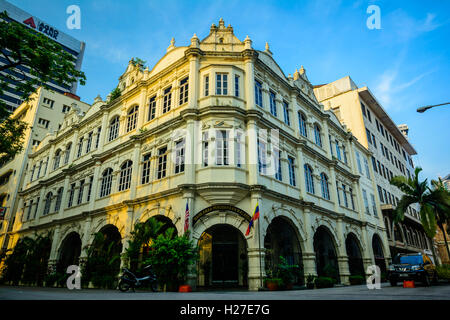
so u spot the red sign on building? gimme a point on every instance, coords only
(30, 22)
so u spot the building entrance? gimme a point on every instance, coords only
(223, 257)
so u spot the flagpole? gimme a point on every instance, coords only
(259, 244)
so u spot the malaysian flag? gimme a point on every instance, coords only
(186, 218)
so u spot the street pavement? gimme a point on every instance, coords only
(360, 292)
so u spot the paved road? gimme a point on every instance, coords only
(436, 292)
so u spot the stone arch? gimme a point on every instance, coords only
(398, 234)
(220, 217)
(166, 211)
(69, 251)
(354, 253)
(323, 221)
(282, 238)
(326, 251)
(105, 221)
(379, 252)
(291, 217)
(223, 257)
(74, 227)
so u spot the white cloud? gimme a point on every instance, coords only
(406, 27)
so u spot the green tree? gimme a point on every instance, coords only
(442, 207)
(171, 257)
(143, 235)
(45, 59)
(28, 261)
(429, 201)
(102, 263)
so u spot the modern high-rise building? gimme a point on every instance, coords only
(391, 155)
(73, 46)
(214, 128)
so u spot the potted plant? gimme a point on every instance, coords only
(285, 272)
(171, 257)
(273, 283)
(310, 281)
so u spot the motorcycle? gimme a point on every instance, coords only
(130, 280)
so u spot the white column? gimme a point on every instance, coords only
(103, 132)
(142, 108)
(249, 81)
(309, 256)
(342, 258)
(135, 173)
(193, 81)
(255, 245)
(95, 185)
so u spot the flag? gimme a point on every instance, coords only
(186, 218)
(254, 218)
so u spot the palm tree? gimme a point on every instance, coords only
(142, 236)
(442, 207)
(416, 191)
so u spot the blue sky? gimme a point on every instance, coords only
(406, 63)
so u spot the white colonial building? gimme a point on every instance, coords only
(218, 126)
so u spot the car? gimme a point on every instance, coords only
(412, 266)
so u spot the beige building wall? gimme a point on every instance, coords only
(119, 179)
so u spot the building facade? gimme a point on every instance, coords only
(44, 114)
(391, 155)
(76, 48)
(215, 127)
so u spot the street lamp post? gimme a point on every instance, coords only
(425, 108)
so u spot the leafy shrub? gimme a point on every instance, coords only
(324, 282)
(285, 271)
(28, 261)
(102, 263)
(443, 271)
(357, 279)
(55, 279)
(171, 257)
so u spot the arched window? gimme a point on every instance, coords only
(114, 128)
(48, 202)
(57, 159)
(324, 186)
(105, 187)
(309, 179)
(58, 199)
(125, 175)
(67, 153)
(132, 118)
(302, 124)
(317, 135)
